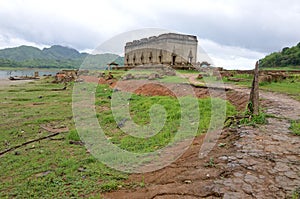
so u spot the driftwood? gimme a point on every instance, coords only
(28, 142)
(59, 89)
(54, 133)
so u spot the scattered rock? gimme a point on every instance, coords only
(42, 174)
(187, 181)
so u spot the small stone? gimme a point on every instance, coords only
(224, 158)
(81, 169)
(187, 181)
(231, 158)
(261, 177)
(232, 165)
(247, 188)
(273, 188)
(281, 167)
(251, 179)
(291, 174)
(238, 174)
(222, 144)
(243, 162)
(42, 174)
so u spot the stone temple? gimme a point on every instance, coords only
(176, 50)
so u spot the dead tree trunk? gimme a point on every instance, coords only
(253, 105)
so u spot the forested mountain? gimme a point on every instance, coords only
(286, 57)
(54, 57)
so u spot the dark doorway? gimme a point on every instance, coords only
(133, 60)
(173, 60)
(142, 58)
(160, 59)
(150, 57)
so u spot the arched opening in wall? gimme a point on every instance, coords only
(133, 59)
(142, 58)
(150, 57)
(190, 57)
(160, 57)
(127, 59)
(173, 59)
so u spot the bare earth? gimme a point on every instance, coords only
(261, 162)
(7, 82)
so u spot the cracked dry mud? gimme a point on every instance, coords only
(253, 162)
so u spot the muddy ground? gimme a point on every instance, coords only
(247, 162)
(7, 82)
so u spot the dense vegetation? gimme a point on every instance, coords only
(286, 57)
(54, 57)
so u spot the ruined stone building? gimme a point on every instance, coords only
(170, 49)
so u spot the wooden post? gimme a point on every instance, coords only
(253, 105)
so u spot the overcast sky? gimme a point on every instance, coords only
(234, 33)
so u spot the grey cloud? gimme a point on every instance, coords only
(47, 30)
(264, 26)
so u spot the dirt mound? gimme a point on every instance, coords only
(99, 80)
(154, 90)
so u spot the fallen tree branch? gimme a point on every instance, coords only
(28, 142)
(49, 129)
(55, 130)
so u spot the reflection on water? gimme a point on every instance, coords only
(4, 74)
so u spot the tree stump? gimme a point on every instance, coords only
(253, 105)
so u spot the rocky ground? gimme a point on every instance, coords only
(247, 162)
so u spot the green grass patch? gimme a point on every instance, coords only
(73, 135)
(261, 118)
(290, 86)
(287, 68)
(295, 127)
(140, 107)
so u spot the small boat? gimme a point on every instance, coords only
(22, 78)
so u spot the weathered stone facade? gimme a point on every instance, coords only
(170, 49)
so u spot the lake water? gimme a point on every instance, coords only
(4, 74)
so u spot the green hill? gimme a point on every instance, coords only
(287, 57)
(54, 57)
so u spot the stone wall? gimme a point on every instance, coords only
(170, 49)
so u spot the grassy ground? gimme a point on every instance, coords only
(55, 168)
(288, 68)
(52, 168)
(290, 86)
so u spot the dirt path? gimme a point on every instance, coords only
(261, 162)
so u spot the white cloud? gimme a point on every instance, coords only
(230, 57)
